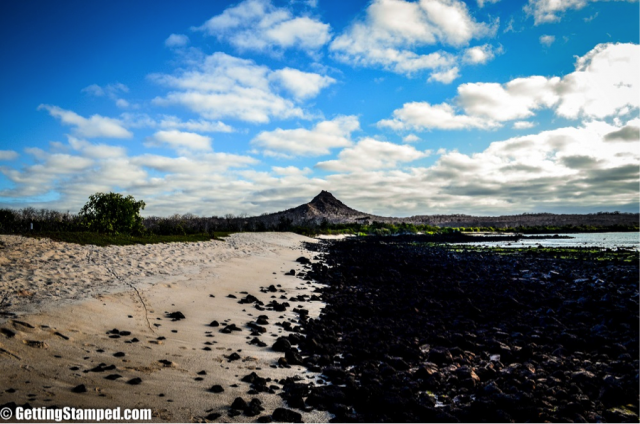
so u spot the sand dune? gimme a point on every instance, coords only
(68, 299)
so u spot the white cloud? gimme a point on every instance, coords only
(176, 40)
(122, 103)
(201, 165)
(290, 171)
(523, 125)
(478, 55)
(8, 154)
(180, 141)
(514, 100)
(92, 127)
(445, 77)
(300, 84)
(142, 120)
(411, 138)
(545, 11)
(192, 125)
(423, 116)
(604, 84)
(594, 165)
(393, 29)
(547, 40)
(318, 141)
(223, 86)
(96, 151)
(372, 154)
(258, 25)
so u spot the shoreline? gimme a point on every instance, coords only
(104, 340)
(425, 333)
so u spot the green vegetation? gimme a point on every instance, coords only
(112, 213)
(106, 219)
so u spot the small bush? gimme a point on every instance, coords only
(112, 213)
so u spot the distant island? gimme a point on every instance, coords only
(325, 206)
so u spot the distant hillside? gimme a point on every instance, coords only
(326, 207)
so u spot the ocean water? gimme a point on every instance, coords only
(601, 240)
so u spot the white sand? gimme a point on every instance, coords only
(81, 292)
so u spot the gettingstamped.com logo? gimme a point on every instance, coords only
(75, 414)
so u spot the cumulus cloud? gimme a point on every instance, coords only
(223, 86)
(301, 85)
(445, 77)
(604, 84)
(516, 99)
(176, 40)
(92, 127)
(392, 30)
(259, 25)
(198, 166)
(478, 55)
(545, 11)
(369, 153)
(142, 120)
(180, 141)
(567, 166)
(96, 151)
(593, 165)
(290, 170)
(421, 116)
(8, 154)
(324, 136)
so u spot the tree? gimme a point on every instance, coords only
(112, 213)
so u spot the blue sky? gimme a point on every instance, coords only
(397, 107)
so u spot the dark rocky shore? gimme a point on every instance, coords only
(413, 333)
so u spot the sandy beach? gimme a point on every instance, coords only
(100, 317)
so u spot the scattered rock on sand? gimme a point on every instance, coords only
(81, 388)
(216, 389)
(176, 316)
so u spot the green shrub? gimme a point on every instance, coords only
(112, 213)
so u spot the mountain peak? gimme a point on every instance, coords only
(325, 202)
(324, 196)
